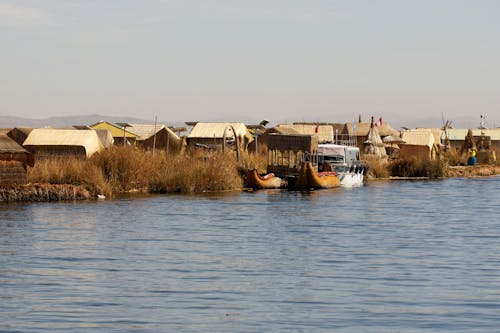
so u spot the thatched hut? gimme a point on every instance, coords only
(418, 143)
(373, 144)
(45, 142)
(360, 131)
(156, 136)
(489, 137)
(263, 139)
(214, 134)
(286, 152)
(14, 161)
(482, 144)
(468, 143)
(19, 134)
(323, 131)
(327, 132)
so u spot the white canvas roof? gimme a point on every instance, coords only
(331, 150)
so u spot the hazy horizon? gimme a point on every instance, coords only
(183, 60)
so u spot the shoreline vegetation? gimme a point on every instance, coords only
(121, 170)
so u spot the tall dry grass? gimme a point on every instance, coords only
(195, 171)
(124, 169)
(70, 170)
(413, 167)
(254, 161)
(377, 168)
(453, 158)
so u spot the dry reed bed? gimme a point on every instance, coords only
(124, 169)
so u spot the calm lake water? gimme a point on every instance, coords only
(388, 257)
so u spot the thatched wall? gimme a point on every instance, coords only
(41, 152)
(416, 151)
(286, 152)
(164, 140)
(191, 142)
(12, 172)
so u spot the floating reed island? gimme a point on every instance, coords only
(119, 170)
(106, 159)
(43, 192)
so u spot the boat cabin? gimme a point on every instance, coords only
(338, 154)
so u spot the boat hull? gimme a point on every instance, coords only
(351, 179)
(350, 176)
(256, 181)
(309, 178)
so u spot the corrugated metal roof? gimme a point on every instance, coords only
(216, 130)
(461, 133)
(419, 137)
(65, 137)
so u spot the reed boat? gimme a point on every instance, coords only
(309, 178)
(255, 180)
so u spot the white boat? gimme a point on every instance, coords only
(345, 161)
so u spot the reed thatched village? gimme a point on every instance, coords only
(106, 159)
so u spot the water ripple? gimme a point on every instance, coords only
(388, 257)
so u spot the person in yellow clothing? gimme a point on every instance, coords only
(472, 158)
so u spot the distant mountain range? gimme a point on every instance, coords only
(397, 121)
(69, 121)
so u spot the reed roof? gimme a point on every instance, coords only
(374, 144)
(437, 133)
(7, 145)
(325, 132)
(145, 131)
(419, 137)
(362, 129)
(87, 139)
(216, 130)
(282, 130)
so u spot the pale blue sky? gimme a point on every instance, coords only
(312, 60)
